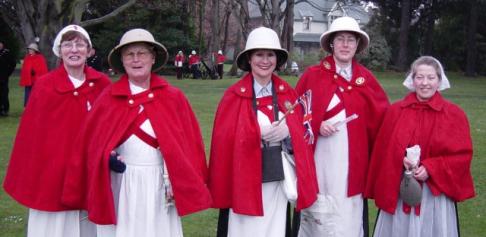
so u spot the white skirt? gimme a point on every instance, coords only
(437, 219)
(139, 195)
(271, 224)
(59, 224)
(334, 213)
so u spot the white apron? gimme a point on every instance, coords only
(139, 194)
(333, 214)
(273, 221)
(437, 219)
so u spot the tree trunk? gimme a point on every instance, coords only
(227, 16)
(288, 31)
(471, 40)
(234, 68)
(401, 59)
(214, 44)
(429, 31)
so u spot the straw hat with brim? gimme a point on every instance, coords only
(33, 46)
(137, 36)
(261, 38)
(57, 41)
(348, 24)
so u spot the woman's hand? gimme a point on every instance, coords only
(275, 133)
(421, 174)
(327, 129)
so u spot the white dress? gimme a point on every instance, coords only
(334, 213)
(61, 223)
(273, 221)
(437, 219)
(139, 193)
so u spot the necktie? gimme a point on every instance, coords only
(264, 92)
(344, 74)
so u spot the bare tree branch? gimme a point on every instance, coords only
(109, 15)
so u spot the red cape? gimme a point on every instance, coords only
(235, 168)
(364, 96)
(442, 131)
(44, 141)
(178, 134)
(34, 66)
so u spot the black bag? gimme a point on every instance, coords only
(272, 167)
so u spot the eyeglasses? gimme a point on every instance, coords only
(71, 44)
(348, 40)
(139, 55)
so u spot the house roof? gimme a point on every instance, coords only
(307, 37)
(305, 9)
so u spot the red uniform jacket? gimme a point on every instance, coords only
(235, 166)
(33, 67)
(220, 59)
(442, 131)
(179, 58)
(193, 59)
(45, 138)
(364, 96)
(178, 135)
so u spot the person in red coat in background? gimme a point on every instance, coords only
(244, 181)
(160, 172)
(33, 67)
(194, 61)
(59, 103)
(220, 58)
(342, 90)
(425, 120)
(179, 63)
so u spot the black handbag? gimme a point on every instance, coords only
(272, 167)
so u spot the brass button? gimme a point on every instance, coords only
(130, 101)
(151, 95)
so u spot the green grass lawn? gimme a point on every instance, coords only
(204, 95)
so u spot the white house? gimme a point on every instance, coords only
(311, 20)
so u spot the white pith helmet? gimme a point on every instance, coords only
(33, 46)
(348, 24)
(261, 38)
(138, 36)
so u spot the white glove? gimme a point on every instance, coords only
(275, 132)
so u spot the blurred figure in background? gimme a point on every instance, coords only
(33, 67)
(95, 61)
(179, 63)
(7, 66)
(194, 61)
(220, 58)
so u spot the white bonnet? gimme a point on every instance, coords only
(444, 82)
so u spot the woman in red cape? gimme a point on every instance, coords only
(60, 102)
(440, 128)
(245, 125)
(160, 172)
(33, 67)
(341, 89)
